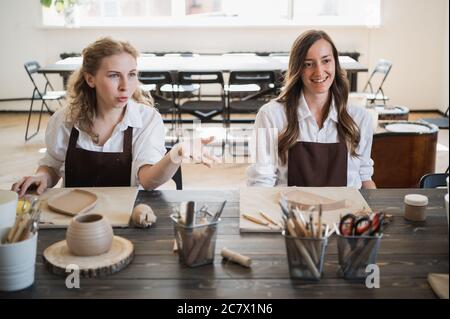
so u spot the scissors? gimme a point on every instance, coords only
(352, 225)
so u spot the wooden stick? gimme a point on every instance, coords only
(205, 252)
(22, 225)
(197, 243)
(303, 232)
(175, 246)
(13, 229)
(236, 257)
(200, 236)
(319, 227)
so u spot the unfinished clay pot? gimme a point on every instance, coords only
(89, 235)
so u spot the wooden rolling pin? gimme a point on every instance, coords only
(236, 257)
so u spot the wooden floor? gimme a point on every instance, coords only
(19, 158)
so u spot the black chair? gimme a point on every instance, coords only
(258, 87)
(203, 108)
(181, 91)
(152, 82)
(177, 177)
(48, 94)
(433, 180)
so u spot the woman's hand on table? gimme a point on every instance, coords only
(38, 180)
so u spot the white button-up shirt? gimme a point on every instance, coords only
(148, 145)
(267, 169)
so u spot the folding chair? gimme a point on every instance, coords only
(373, 90)
(32, 69)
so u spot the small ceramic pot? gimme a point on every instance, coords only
(89, 235)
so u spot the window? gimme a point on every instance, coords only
(337, 12)
(214, 13)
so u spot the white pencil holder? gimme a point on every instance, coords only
(17, 262)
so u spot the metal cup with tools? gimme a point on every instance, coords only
(195, 233)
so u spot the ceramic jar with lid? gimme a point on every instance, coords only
(415, 207)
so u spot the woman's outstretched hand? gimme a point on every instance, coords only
(193, 149)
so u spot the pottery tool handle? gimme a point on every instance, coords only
(236, 257)
(199, 237)
(219, 212)
(255, 220)
(13, 230)
(22, 226)
(175, 246)
(190, 213)
(302, 250)
(269, 219)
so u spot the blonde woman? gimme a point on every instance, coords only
(309, 136)
(109, 134)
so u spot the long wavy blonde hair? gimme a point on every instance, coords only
(293, 86)
(82, 102)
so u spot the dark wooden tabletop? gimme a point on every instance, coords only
(408, 252)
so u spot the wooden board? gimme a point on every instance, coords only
(252, 200)
(439, 283)
(57, 257)
(115, 203)
(72, 202)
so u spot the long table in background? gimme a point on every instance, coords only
(222, 63)
(408, 253)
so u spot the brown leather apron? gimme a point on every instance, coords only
(98, 169)
(318, 164)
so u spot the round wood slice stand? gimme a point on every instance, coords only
(57, 257)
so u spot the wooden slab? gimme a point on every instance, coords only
(255, 199)
(439, 283)
(57, 257)
(304, 200)
(72, 202)
(115, 203)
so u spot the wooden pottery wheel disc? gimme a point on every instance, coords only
(57, 257)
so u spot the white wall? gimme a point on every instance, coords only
(444, 104)
(414, 36)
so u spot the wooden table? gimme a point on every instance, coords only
(407, 254)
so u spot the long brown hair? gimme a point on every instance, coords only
(82, 98)
(293, 86)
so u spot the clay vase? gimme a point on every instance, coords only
(89, 235)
